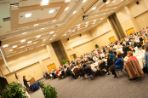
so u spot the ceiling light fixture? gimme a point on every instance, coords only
(35, 25)
(5, 46)
(11, 50)
(14, 46)
(29, 42)
(74, 12)
(51, 11)
(108, 2)
(66, 9)
(38, 36)
(24, 33)
(67, 1)
(42, 28)
(65, 34)
(54, 35)
(87, 22)
(28, 15)
(84, 1)
(23, 40)
(101, 18)
(52, 32)
(94, 8)
(44, 40)
(22, 47)
(54, 20)
(44, 2)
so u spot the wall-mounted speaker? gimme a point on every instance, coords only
(80, 35)
(137, 2)
(67, 39)
(104, 1)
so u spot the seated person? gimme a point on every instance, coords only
(60, 73)
(53, 74)
(46, 75)
(75, 72)
(132, 67)
(87, 70)
(118, 65)
(119, 62)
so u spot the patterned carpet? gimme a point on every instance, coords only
(100, 87)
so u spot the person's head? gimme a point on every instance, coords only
(24, 77)
(130, 53)
(119, 55)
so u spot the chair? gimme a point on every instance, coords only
(118, 71)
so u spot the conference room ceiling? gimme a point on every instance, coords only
(35, 23)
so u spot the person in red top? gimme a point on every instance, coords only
(132, 67)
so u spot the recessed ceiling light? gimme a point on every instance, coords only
(36, 25)
(74, 12)
(94, 8)
(42, 28)
(101, 18)
(14, 46)
(65, 34)
(67, 1)
(44, 40)
(94, 21)
(54, 35)
(11, 50)
(67, 8)
(28, 15)
(5, 46)
(22, 46)
(108, 2)
(52, 32)
(86, 25)
(87, 22)
(29, 42)
(24, 33)
(44, 2)
(23, 40)
(38, 36)
(54, 20)
(51, 11)
(84, 1)
(78, 25)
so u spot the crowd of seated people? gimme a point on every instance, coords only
(129, 54)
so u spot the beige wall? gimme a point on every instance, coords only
(125, 19)
(86, 43)
(134, 15)
(32, 64)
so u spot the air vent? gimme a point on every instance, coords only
(6, 19)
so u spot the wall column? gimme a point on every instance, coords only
(4, 57)
(60, 51)
(116, 26)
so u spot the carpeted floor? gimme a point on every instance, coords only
(100, 87)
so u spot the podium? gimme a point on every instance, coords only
(32, 81)
(34, 85)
